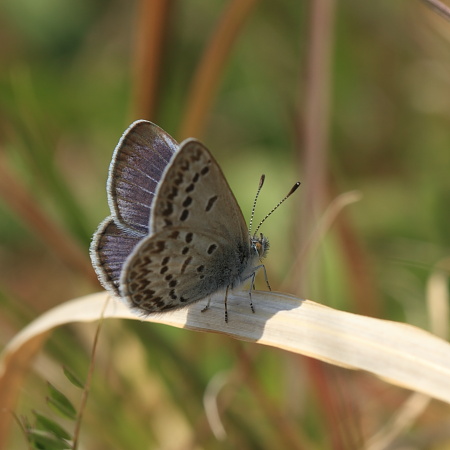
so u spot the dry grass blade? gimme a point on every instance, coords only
(438, 301)
(405, 355)
(404, 418)
(442, 9)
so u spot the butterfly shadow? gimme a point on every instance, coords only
(270, 307)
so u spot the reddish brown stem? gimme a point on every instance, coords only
(206, 79)
(152, 20)
(20, 201)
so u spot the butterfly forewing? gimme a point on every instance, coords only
(195, 194)
(138, 163)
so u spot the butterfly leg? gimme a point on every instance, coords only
(265, 276)
(250, 294)
(252, 286)
(226, 305)
(263, 267)
(207, 305)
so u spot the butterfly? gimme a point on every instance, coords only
(176, 233)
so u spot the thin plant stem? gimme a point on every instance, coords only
(87, 386)
(317, 104)
(289, 435)
(406, 416)
(22, 427)
(365, 295)
(323, 225)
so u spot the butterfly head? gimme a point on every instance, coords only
(259, 245)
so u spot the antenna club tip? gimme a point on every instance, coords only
(294, 188)
(261, 180)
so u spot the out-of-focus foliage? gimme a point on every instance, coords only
(67, 75)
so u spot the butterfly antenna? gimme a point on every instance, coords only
(261, 182)
(294, 188)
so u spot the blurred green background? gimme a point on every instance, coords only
(73, 78)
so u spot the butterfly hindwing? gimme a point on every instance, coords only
(109, 249)
(176, 267)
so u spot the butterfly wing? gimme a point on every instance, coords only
(110, 247)
(138, 163)
(176, 267)
(198, 242)
(195, 194)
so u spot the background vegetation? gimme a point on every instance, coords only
(351, 96)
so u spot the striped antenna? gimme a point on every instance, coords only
(294, 188)
(261, 182)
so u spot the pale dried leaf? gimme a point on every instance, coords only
(405, 355)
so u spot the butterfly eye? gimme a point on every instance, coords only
(257, 247)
